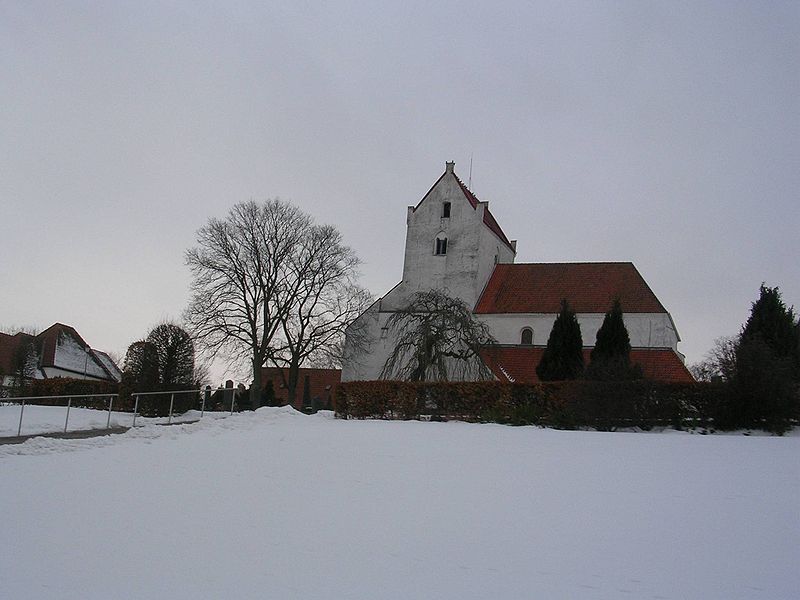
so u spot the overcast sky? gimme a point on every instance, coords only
(666, 134)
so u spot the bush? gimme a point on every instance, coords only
(601, 405)
(64, 386)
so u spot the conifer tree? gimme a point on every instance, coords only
(611, 356)
(141, 365)
(767, 371)
(774, 324)
(268, 395)
(563, 356)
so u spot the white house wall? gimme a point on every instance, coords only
(646, 330)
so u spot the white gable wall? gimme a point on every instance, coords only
(471, 247)
(646, 330)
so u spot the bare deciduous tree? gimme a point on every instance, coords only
(720, 362)
(239, 270)
(322, 304)
(437, 339)
(269, 285)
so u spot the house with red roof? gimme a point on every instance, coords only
(455, 244)
(58, 351)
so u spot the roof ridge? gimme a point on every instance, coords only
(579, 262)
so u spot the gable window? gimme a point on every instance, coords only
(446, 210)
(526, 339)
(441, 246)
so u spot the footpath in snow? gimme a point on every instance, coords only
(276, 504)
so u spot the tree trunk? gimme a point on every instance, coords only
(255, 388)
(291, 386)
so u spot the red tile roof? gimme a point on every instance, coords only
(516, 363)
(588, 287)
(46, 342)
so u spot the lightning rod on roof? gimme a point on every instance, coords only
(469, 185)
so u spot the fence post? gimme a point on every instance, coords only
(206, 397)
(171, 400)
(66, 421)
(21, 410)
(110, 402)
(135, 409)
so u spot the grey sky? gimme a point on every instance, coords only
(667, 134)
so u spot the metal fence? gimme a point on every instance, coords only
(111, 399)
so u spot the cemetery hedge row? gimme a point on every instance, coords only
(564, 405)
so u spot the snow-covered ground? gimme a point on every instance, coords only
(51, 419)
(276, 504)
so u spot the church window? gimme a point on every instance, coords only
(446, 210)
(526, 339)
(441, 245)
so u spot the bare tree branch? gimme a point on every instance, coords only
(270, 285)
(437, 339)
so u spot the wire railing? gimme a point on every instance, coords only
(111, 399)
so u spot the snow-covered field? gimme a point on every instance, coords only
(51, 419)
(275, 504)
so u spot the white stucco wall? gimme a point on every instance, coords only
(366, 361)
(471, 247)
(646, 330)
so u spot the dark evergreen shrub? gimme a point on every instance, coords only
(610, 359)
(764, 387)
(563, 356)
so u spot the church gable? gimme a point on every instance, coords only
(446, 198)
(452, 244)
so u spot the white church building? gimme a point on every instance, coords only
(454, 243)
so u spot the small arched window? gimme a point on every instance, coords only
(441, 245)
(526, 339)
(446, 210)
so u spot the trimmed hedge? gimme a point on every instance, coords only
(565, 405)
(65, 386)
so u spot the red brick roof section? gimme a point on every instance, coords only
(588, 287)
(518, 364)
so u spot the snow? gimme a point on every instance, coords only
(51, 419)
(109, 364)
(276, 504)
(71, 355)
